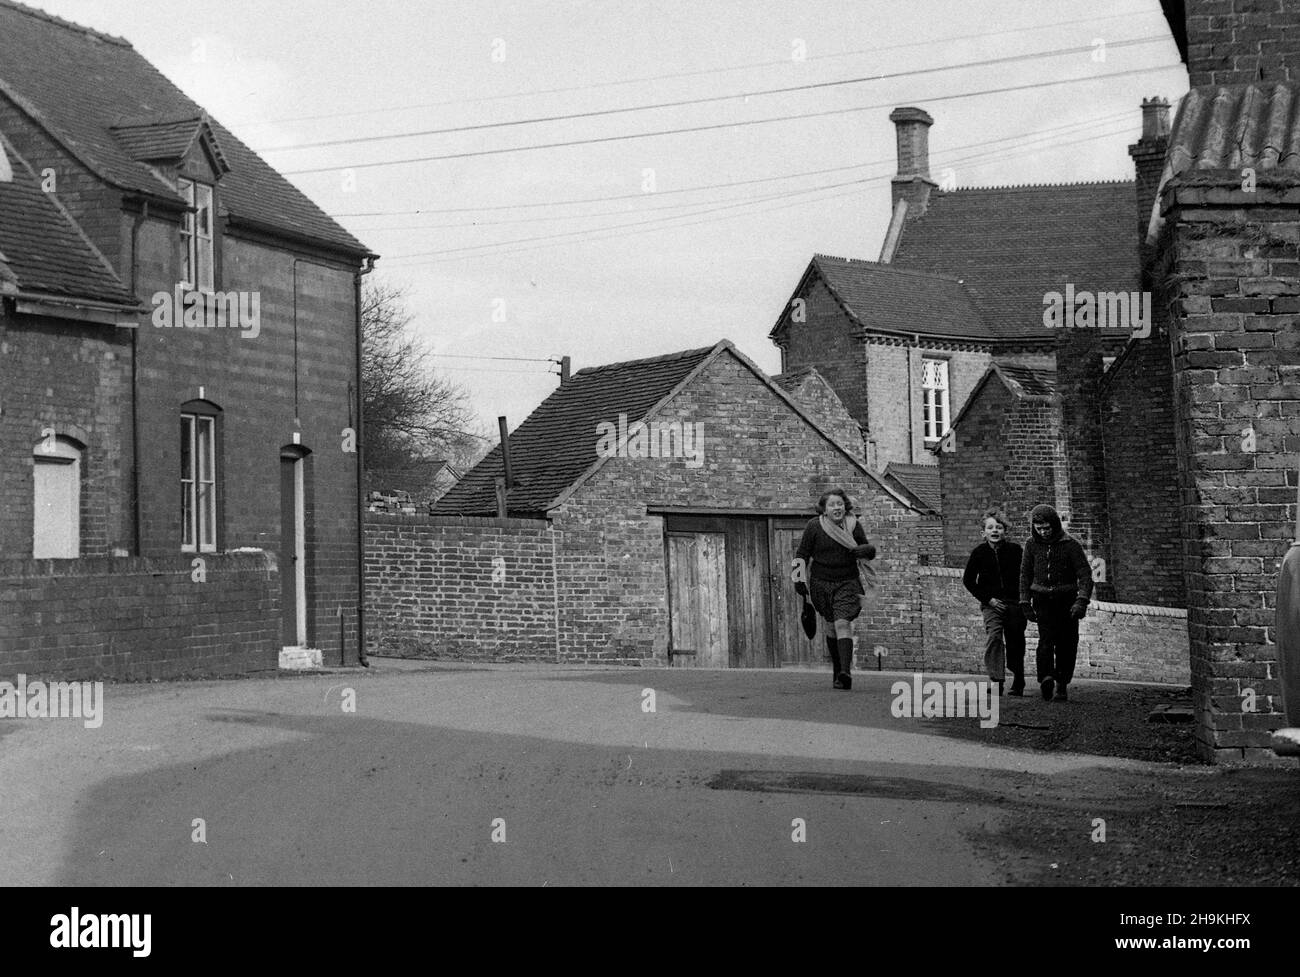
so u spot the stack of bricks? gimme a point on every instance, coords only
(394, 501)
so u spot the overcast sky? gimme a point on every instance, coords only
(686, 267)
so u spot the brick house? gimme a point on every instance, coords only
(223, 418)
(623, 548)
(960, 284)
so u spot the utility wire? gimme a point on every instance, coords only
(456, 253)
(709, 99)
(723, 125)
(929, 42)
(1087, 124)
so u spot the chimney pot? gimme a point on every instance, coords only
(1155, 118)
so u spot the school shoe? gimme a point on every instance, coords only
(1018, 686)
(838, 681)
(845, 680)
(1061, 694)
(1046, 686)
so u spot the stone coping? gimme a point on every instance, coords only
(1146, 610)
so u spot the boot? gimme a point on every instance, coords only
(1018, 684)
(846, 662)
(833, 647)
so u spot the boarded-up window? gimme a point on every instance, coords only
(56, 480)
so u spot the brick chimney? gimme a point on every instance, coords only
(1149, 158)
(913, 182)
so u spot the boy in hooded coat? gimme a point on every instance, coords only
(1055, 588)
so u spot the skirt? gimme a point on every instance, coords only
(837, 600)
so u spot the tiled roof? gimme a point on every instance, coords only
(1030, 382)
(1230, 127)
(1011, 245)
(921, 481)
(1022, 381)
(903, 300)
(167, 140)
(42, 251)
(557, 442)
(790, 380)
(80, 84)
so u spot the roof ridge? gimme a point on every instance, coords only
(67, 24)
(1119, 181)
(888, 266)
(662, 358)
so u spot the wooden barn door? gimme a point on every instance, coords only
(697, 595)
(739, 587)
(792, 645)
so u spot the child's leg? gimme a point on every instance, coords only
(1013, 634)
(1067, 646)
(844, 639)
(1046, 638)
(994, 646)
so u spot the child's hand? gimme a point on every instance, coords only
(1078, 609)
(1028, 608)
(1000, 605)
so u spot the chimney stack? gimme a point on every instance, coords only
(913, 182)
(1149, 159)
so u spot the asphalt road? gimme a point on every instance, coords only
(565, 765)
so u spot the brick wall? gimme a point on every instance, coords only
(894, 400)
(820, 402)
(1123, 642)
(1007, 453)
(138, 618)
(827, 341)
(75, 378)
(287, 381)
(1232, 42)
(460, 587)
(1233, 284)
(1146, 564)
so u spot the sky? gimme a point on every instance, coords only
(691, 236)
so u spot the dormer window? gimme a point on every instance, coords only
(196, 236)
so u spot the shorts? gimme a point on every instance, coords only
(837, 600)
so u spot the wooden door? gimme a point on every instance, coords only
(697, 594)
(792, 646)
(749, 593)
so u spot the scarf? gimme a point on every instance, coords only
(844, 536)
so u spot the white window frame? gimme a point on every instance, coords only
(198, 256)
(199, 484)
(935, 413)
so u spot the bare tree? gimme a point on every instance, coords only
(412, 415)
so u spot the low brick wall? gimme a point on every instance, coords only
(1127, 642)
(460, 587)
(138, 618)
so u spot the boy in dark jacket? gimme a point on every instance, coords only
(993, 576)
(1055, 587)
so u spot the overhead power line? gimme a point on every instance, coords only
(662, 223)
(1081, 125)
(782, 62)
(725, 125)
(709, 99)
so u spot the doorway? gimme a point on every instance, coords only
(293, 547)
